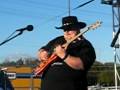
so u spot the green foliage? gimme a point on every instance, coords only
(102, 74)
(99, 73)
(106, 78)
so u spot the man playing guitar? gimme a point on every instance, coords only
(69, 70)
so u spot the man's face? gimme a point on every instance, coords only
(68, 35)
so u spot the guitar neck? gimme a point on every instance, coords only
(78, 35)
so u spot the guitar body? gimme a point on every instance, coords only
(43, 65)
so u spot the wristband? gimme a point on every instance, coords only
(66, 55)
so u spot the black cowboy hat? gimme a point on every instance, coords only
(71, 22)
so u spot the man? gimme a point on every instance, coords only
(69, 70)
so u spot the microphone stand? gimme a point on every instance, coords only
(10, 38)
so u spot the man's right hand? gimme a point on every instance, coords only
(42, 55)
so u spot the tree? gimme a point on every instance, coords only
(106, 78)
(19, 62)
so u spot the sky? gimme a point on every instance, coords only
(44, 15)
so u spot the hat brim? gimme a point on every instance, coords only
(78, 25)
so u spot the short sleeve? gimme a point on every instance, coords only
(87, 54)
(51, 44)
(84, 50)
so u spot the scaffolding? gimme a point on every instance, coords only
(116, 37)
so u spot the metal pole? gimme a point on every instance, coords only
(32, 81)
(31, 85)
(114, 31)
(69, 7)
(115, 68)
(116, 5)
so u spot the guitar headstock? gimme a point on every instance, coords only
(95, 25)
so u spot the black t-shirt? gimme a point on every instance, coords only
(59, 76)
